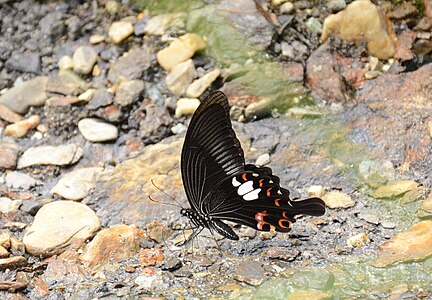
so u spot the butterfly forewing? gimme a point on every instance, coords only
(211, 151)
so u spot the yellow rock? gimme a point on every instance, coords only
(186, 106)
(198, 87)
(363, 21)
(180, 50)
(426, 207)
(394, 189)
(337, 199)
(310, 295)
(120, 31)
(180, 77)
(413, 244)
(358, 240)
(20, 128)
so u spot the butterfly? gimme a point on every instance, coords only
(221, 187)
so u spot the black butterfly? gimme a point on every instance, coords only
(220, 186)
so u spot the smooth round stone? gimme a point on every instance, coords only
(95, 130)
(65, 63)
(59, 224)
(84, 59)
(77, 184)
(18, 180)
(186, 106)
(120, 31)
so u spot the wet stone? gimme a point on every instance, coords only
(30, 93)
(84, 59)
(129, 92)
(310, 295)
(58, 225)
(18, 180)
(77, 184)
(50, 155)
(250, 272)
(131, 65)
(414, 244)
(95, 130)
(159, 24)
(336, 199)
(27, 62)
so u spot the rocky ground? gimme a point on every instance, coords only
(95, 98)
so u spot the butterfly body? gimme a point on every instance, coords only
(220, 186)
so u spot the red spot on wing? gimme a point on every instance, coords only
(287, 225)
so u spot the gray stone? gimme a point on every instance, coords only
(30, 93)
(28, 62)
(84, 59)
(336, 5)
(180, 77)
(95, 130)
(129, 92)
(250, 272)
(77, 184)
(101, 97)
(50, 155)
(58, 225)
(314, 25)
(66, 83)
(131, 65)
(18, 180)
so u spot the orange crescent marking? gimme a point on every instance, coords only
(280, 222)
(277, 201)
(244, 177)
(268, 192)
(284, 215)
(260, 182)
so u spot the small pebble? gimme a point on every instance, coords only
(84, 59)
(96, 39)
(8, 205)
(286, 8)
(262, 160)
(186, 106)
(87, 95)
(20, 128)
(18, 180)
(358, 241)
(315, 191)
(178, 128)
(65, 63)
(119, 31)
(95, 130)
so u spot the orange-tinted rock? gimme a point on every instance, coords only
(414, 244)
(404, 44)
(40, 288)
(20, 128)
(149, 257)
(115, 243)
(9, 115)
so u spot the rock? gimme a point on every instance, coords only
(3, 252)
(198, 86)
(180, 50)
(116, 243)
(131, 65)
(178, 128)
(287, 8)
(158, 232)
(155, 124)
(160, 163)
(371, 218)
(323, 77)
(425, 209)
(180, 77)
(186, 107)
(95, 130)
(30, 93)
(258, 110)
(27, 62)
(5, 240)
(404, 10)
(335, 199)
(375, 172)
(18, 180)
(66, 83)
(404, 45)
(8, 154)
(159, 24)
(8, 205)
(84, 59)
(262, 160)
(120, 31)
(315, 191)
(112, 6)
(150, 257)
(287, 49)
(20, 128)
(358, 240)
(110, 113)
(310, 295)
(150, 280)
(63, 101)
(336, 5)
(8, 115)
(96, 39)
(58, 225)
(12, 263)
(362, 21)
(65, 63)
(87, 95)
(250, 272)
(313, 25)
(415, 195)
(394, 189)
(77, 184)
(101, 97)
(50, 155)
(129, 92)
(64, 272)
(32, 207)
(281, 253)
(316, 278)
(414, 244)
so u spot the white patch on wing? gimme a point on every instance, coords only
(235, 182)
(245, 188)
(279, 192)
(252, 195)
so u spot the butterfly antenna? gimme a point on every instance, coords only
(160, 202)
(169, 196)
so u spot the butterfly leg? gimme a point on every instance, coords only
(192, 236)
